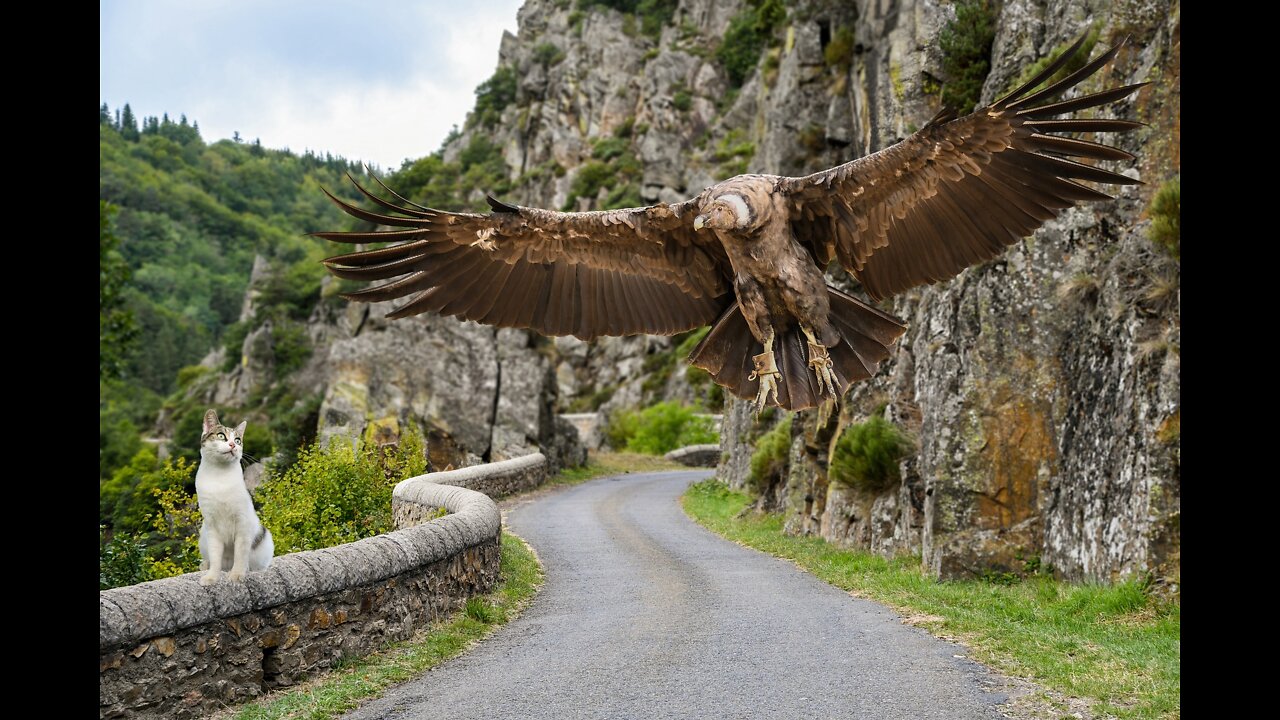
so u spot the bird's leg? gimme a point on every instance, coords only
(767, 372)
(820, 361)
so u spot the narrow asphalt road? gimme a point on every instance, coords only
(645, 614)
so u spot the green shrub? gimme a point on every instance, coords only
(174, 547)
(771, 456)
(590, 400)
(336, 494)
(682, 100)
(620, 175)
(127, 500)
(1166, 218)
(867, 454)
(592, 176)
(839, 52)
(293, 428)
(290, 348)
(965, 42)
(257, 442)
(233, 342)
(659, 429)
(291, 292)
(190, 374)
(733, 152)
(653, 15)
(122, 559)
(609, 148)
(547, 54)
(748, 33)
(623, 423)
(687, 344)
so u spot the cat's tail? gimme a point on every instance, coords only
(262, 550)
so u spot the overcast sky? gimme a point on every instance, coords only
(375, 80)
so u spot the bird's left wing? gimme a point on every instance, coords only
(612, 272)
(958, 192)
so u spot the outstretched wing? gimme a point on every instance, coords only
(957, 193)
(614, 272)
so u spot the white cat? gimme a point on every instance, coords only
(231, 538)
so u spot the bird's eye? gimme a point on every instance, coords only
(222, 436)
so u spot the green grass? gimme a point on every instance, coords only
(1114, 646)
(360, 679)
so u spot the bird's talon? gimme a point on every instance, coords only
(820, 361)
(766, 371)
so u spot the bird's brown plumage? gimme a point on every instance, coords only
(747, 254)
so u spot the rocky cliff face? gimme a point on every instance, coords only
(1041, 390)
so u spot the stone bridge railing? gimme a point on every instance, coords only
(173, 648)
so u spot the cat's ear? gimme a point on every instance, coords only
(210, 420)
(240, 429)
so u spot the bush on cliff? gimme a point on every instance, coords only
(867, 454)
(659, 429)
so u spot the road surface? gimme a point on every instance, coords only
(645, 614)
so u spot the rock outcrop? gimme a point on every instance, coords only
(1041, 389)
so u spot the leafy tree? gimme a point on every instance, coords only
(492, 97)
(116, 326)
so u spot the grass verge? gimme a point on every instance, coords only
(1114, 646)
(601, 464)
(351, 683)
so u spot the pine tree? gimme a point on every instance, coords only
(129, 124)
(104, 115)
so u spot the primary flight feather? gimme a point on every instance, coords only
(747, 254)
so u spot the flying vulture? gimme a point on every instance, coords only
(746, 255)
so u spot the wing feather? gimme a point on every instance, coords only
(959, 191)
(617, 272)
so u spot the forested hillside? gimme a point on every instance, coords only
(189, 218)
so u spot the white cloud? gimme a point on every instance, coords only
(272, 83)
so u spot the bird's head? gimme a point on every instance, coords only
(729, 211)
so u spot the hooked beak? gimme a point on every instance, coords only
(699, 222)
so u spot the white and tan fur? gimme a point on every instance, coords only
(231, 538)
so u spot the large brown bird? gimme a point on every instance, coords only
(747, 254)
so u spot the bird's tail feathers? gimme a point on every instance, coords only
(866, 334)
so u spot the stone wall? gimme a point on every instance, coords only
(413, 500)
(173, 648)
(696, 455)
(588, 426)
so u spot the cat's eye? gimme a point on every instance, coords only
(237, 441)
(222, 436)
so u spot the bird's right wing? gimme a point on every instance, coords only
(959, 192)
(613, 272)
